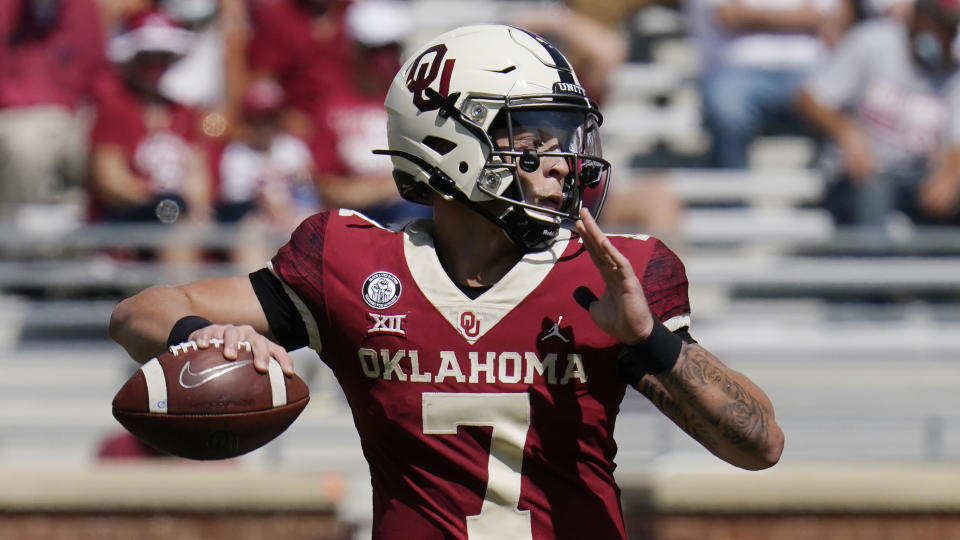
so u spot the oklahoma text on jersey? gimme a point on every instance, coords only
(492, 367)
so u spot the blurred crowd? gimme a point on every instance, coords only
(199, 111)
(260, 112)
(875, 81)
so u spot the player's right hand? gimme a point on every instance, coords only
(622, 310)
(232, 335)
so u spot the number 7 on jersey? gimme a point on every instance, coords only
(509, 416)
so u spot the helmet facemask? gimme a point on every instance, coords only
(543, 135)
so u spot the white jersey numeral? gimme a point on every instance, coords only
(509, 415)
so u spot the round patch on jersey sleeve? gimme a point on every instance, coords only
(381, 290)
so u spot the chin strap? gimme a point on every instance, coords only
(527, 232)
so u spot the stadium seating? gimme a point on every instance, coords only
(856, 342)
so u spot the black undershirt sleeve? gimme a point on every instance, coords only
(684, 334)
(285, 321)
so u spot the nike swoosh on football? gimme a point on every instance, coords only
(189, 379)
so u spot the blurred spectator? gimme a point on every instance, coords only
(614, 13)
(335, 78)
(51, 54)
(146, 165)
(890, 101)
(898, 9)
(645, 202)
(114, 13)
(754, 55)
(120, 444)
(303, 44)
(587, 36)
(351, 120)
(594, 49)
(265, 175)
(212, 74)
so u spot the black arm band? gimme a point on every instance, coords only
(286, 324)
(184, 327)
(656, 354)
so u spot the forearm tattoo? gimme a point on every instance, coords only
(741, 420)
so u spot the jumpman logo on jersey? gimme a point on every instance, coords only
(555, 332)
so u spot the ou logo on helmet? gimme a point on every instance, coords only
(423, 73)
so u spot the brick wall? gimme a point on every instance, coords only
(843, 501)
(175, 526)
(807, 527)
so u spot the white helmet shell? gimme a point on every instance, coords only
(444, 100)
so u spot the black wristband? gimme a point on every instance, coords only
(184, 327)
(656, 354)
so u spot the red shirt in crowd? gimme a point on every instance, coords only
(58, 65)
(287, 45)
(157, 143)
(350, 125)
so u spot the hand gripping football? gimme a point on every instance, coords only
(194, 403)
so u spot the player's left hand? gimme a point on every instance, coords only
(622, 309)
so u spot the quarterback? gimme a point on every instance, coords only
(483, 371)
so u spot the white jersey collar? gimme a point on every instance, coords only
(472, 318)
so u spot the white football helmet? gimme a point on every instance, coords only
(454, 91)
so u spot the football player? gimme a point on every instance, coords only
(483, 372)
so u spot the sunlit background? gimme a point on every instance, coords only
(854, 333)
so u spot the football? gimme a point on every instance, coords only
(194, 403)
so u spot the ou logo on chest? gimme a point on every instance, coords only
(469, 324)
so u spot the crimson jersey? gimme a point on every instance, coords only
(480, 418)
